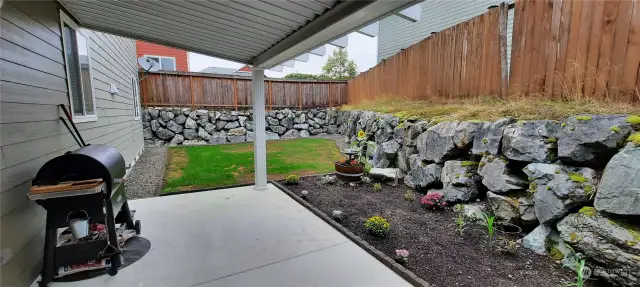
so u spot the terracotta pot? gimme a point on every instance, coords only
(351, 170)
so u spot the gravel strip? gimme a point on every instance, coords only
(146, 177)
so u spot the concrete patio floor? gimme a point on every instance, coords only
(242, 237)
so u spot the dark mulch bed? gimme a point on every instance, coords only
(438, 254)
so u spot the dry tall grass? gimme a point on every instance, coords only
(491, 108)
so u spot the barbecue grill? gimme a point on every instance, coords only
(104, 202)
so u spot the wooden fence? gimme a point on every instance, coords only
(465, 61)
(180, 89)
(577, 49)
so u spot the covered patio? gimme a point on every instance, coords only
(254, 235)
(240, 237)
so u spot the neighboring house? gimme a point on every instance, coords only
(170, 59)
(46, 61)
(244, 71)
(397, 33)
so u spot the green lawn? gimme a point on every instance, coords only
(192, 167)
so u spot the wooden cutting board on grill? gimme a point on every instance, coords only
(66, 186)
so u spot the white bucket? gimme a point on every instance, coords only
(78, 222)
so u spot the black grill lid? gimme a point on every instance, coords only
(89, 162)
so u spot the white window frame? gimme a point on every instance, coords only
(175, 64)
(135, 91)
(64, 19)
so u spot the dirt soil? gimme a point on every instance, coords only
(438, 254)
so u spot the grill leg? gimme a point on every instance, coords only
(49, 255)
(126, 213)
(113, 238)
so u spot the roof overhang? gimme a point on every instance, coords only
(263, 33)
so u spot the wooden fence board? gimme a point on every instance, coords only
(195, 90)
(632, 64)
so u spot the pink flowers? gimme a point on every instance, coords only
(402, 255)
(433, 200)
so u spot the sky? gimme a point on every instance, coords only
(362, 49)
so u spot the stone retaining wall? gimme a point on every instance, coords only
(573, 182)
(183, 126)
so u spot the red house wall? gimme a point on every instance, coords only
(182, 60)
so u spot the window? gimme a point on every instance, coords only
(136, 97)
(166, 63)
(78, 65)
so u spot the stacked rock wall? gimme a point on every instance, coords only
(184, 126)
(575, 181)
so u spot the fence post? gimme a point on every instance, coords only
(300, 95)
(329, 88)
(235, 94)
(504, 69)
(193, 104)
(270, 95)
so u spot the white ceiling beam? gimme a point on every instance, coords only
(320, 51)
(371, 30)
(411, 14)
(303, 58)
(290, 63)
(342, 19)
(341, 42)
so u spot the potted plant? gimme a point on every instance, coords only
(353, 165)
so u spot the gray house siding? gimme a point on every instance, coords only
(32, 84)
(397, 34)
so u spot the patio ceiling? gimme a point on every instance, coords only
(263, 33)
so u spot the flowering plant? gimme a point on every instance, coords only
(353, 162)
(433, 200)
(402, 255)
(377, 226)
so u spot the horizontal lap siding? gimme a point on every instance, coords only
(33, 83)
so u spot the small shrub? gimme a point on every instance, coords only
(377, 186)
(615, 129)
(377, 226)
(633, 120)
(491, 227)
(292, 179)
(328, 179)
(365, 179)
(584, 118)
(402, 256)
(460, 223)
(367, 168)
(634, 138)
(409, 196)
(576, 177)
(507, 246)
(433, 200)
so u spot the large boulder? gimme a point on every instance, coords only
(558, 189)
(174, 127)
(608, 244)
(459, 179)
(228, 117)
(214, 115)
(471, 212)
(164, 134)
(203, 134)
(438, 145)
(272, 121)
(154, 113)
(220, 125)
(464, 134)
(380, 158)
(190, 124)
(166, 115)
(545, 240)
(180, 119)
(390, 149)
(237, 132)
(147, 134)
(531, 141)
(304, 133)
(178, 139)
(422, 177)
(497, 177)
(351, 125)
(190, 134)
(504, 208)
(619, 189)
(278, 129)
(591, 140)
(386, 124)
(231, 125)
(236, 139)
(489, 136)
(385, 174)
(300, 119)
(301, 126)
(218, 138)
(366, 120)
(415, 130)
(403, 157)
(287, 122)
(291, 134)
(209, 127)
(242, 120)
(203, 120)
(154, 125)
(317, 131)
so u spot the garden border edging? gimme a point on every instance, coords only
(380, 256)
